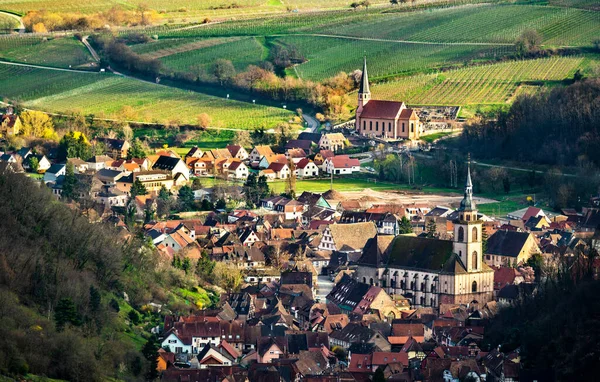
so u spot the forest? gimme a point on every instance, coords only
(559, 127)
(62, 287)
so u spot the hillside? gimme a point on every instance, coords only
(62, 283)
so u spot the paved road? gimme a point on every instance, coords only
(93, 52)
(313, 124)
(46, 67)
(325, 286)
(21, 28)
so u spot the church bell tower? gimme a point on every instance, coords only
(468, 229)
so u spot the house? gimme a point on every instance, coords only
(152, 180)
(258, 152)
(507, 248)
(237, 170)
(384, 119)
(248, 237)
(175, 167)
(348, 238)
(353, 296)
(54, 172)
(341, 165)
(98, 162)
(238, 152)
(305, 168)
(212, 355)
(190, 334)
(304, 144)
(195, 152)
(112, 198)
(312, 199)
(266, 161)
(295, 155)
(333, 141)
(79, 166)
(270, 348)
(115, 148)
(107, 176)
(281, 170)
(321, 156)
(10, 125)
(269, 174)
(356, 333)
(43, 162)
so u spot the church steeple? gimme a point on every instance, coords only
(467, 204)
(364, 93)
(364, 83)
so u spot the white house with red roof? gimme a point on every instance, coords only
(306, 168)
(238, 152)
(341, 165)
(384, 119)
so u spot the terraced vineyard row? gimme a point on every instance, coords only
(488, 84)
(328, 56)
(482, 23)
(244, 52)
(58, 52)
(104, 94)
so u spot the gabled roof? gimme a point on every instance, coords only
(304, 144)
(507, 243)
(234, 149)
(382, 109)
(263, 150)
(344, 161)
(303, 163)
(353, 235)
(165, 163)
(55, 169)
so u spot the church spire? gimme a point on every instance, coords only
(467, 204)
(364, 83)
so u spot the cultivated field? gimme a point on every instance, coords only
(110, 96)
(487, 84)
(57, 52)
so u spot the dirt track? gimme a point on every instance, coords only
(369, 196)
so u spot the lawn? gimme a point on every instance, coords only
(432, 137)
(501, 208)
(206, 140)
(110, 96)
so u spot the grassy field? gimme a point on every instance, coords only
(487, 84)
(110, 96)
(57, 52)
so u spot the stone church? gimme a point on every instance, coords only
(384, 119)
(431, 272)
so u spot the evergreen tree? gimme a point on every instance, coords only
(405, 226)
(137, 188)
(136, 150)
(205, 267)
(484, 239)
(251, 191)
(34, 163)
(221, 204)
(263, 188)
(150, 352)
(69, 182)
(66, 313)
(186, 198)
(506, 184)
(95, 299)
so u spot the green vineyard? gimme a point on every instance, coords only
(107, 95)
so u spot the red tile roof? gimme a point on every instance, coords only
(344, 161)
(382, 109)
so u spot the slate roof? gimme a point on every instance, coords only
(507, 243)
(295, 277)
(348, 292)
(303, 144)
(313, 137)
(165, 163)
(376, 250)
(419, 252)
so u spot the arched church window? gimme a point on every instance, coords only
(461, 234)
(474, 259)
(371, 281)
(364, 280)
(474, 287)
(474, 234)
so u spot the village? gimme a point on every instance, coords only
(332, 288)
